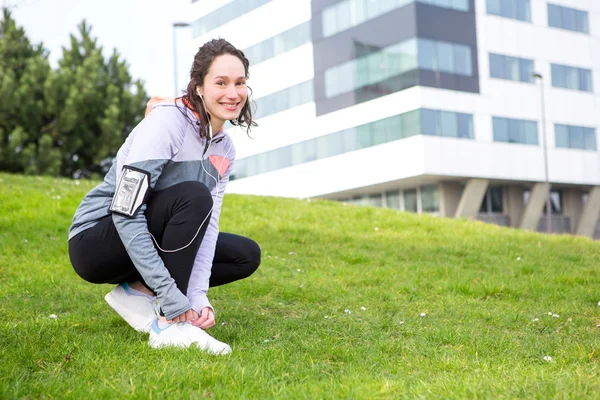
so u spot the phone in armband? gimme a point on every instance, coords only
(132, 191)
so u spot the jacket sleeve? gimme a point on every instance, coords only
(199, 279)
(150, 146)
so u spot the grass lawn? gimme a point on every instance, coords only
(349, 303)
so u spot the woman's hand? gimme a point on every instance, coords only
(206, 319)
(189, 316)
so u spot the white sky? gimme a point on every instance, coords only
(140, 30)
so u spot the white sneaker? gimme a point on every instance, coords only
(184, 334)
(138, 311)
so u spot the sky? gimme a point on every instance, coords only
(140, 30)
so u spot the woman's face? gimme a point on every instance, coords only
(224, 90)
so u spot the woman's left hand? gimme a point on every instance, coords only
(206, 319)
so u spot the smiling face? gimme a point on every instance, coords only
(224, 89)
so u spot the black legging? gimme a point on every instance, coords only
(98, 254)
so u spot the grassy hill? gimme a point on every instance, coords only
(349, 303)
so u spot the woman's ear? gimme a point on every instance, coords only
(198, 91)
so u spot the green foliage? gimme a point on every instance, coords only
(70, 121)
(486, 292)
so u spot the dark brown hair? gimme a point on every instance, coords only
(202, 62)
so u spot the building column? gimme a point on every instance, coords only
(470, 201)
(534, 207)
(449, 198)
(514, 204)
(572, 201)
(589, 217)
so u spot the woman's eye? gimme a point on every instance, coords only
(220, 83)
(241, 83)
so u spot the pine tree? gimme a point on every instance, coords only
(24, 70)
(67, 122)
(96, 104)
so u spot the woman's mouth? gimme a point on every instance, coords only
(230, 106)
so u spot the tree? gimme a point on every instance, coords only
(24, 70)
(70, 121)
(96, 104)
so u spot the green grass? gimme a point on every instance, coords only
(485, 334)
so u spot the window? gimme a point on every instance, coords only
(430, 199)
(224, 14)
(515, 9)
(279, 44)
(514, 131)
(285, 99)
(575, 137)
(372, 68)
(444, 57)
(446, 123)
(410, 200)
(571, 78)
(511, 68)
(348, 13)
(492, 201)
(392, 199)
(441, 123)
(568, 18)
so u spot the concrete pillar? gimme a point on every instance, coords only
(534, 207)
(572, 201)
(589, 216)
(449, 198)
(470, 201)
(514, 204)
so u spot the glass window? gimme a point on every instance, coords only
(329, 25)
(344, 19)
(582, 22)
(411, 123)
(561, 134)
(392, 199)
(554, 16)
(585, 80)
(445, 57)
(590, 138)
(496, 199)
(364, 136)
(428, 122)
(572, 78)
(568, 19)
(396, 128)
(500, 128)
(512, 68)
(493, 7)
(462, 60)
(297, 153)
(516, 131)
(526, 70)
(465, 126)
(523, 10)
(334, 144)
(448, 124)
(559, 78)
(350, 139)
(427, 54)
(531, 136)
(497, 69)
(410, 200)
(576, 137)
(508, 8)
(430, 198)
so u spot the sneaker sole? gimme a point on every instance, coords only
(136, 321)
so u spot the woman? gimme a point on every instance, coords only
(152, 225)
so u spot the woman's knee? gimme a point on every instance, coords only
(253, 257)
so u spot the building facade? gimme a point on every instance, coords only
(460, 108)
